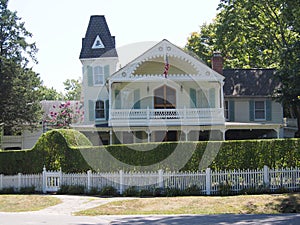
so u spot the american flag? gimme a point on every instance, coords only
(167, 66)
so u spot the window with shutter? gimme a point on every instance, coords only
(100, 109)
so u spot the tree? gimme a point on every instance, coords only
(73, 89)
(50, 93)
(19, 84)
(259, 34)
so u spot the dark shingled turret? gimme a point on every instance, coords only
(98, 27)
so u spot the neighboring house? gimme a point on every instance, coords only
(28, 138)
(250, 110)
(138, 103)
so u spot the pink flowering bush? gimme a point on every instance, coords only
(64, 115)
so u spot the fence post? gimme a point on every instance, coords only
(208, 181)
(89, 174)
(266, 176)
(44, 180)
(60, 177)
(161, 178)
(1, 181)
(19, 180)
(121, 181)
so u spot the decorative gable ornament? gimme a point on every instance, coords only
(98, 43)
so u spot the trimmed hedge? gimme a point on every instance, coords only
(55, 149)
(72, 152)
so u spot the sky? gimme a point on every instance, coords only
(58, 27)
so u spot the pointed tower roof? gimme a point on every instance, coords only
(98, 42)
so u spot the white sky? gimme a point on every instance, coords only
(59, 25)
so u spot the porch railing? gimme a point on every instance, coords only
(195, 116)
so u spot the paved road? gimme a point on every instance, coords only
(39, 219)
(62, 215)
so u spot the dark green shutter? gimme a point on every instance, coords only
(106, 71)
(212, 98)
(117, 103)
(268, 110)
(90, 76)
(136, 99)
(193, 98)
(91, 110)
(251, 110)
(107, 109)
(231, 110)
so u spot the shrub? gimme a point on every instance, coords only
(9, 190)
(192, 190)
(172, 192)
(27, 190)
(71, 189)
(76, 190)
(146, 193)
(93, 191)
(158, 192)
(109, 191)
(224, 189)
(131, 191)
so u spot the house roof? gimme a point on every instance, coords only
(98, 41)
(250, 82)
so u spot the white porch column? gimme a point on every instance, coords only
(222, 95)
(110, 137)
(109, 100)
(186, 132)
(149, 135)
(277, 132)
(223, 134)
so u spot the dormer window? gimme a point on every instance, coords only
(98, 43)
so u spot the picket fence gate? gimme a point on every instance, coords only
(209, 182)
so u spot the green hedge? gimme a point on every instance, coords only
(55, 149)
(72, 152)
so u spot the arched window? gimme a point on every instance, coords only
(165, 98)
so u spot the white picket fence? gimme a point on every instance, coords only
(209, 182)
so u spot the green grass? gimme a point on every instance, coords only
(243, 204)
(24, 203)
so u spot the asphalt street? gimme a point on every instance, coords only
(62, 214)
(51, 219)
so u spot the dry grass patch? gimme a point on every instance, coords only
(24, 203)
(258, 204)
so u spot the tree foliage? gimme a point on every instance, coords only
(73, 89)
(256, 34)
(19, 84)
(50, 93)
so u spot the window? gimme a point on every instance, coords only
(226, 110)
(98, 75)
(100, 110)
(206, 98)
(259, 110)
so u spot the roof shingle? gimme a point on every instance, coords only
(98, 27)
(250, 82)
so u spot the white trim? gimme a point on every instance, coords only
(98, 43)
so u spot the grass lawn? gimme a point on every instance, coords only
(243, 204)
(24, 203)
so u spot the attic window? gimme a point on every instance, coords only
(98, 43)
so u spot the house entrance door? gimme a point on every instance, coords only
(164, 98)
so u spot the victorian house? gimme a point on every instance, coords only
(166, 94)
